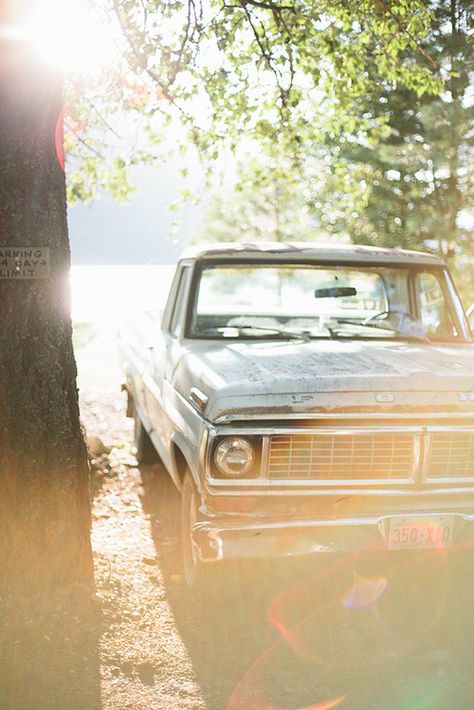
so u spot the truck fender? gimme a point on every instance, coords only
(180, 459)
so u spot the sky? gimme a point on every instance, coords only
(107, 232)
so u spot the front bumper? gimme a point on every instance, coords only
(214, 541)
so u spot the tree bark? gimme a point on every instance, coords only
(44, 475)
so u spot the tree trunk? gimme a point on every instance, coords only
(44, 475)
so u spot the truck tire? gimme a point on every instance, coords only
(145, 452)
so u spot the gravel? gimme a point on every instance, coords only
(273, 636)
(144, 663)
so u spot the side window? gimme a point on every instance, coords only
(433, 308)
(179, 310)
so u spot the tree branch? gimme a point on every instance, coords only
(404, 30)
(263, 5)
(84, 142)
(142, 64)
(104, 121)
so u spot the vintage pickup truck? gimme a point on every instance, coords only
(308, 398)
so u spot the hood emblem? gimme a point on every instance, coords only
(301, 398)
(466, 396)
(383, 397)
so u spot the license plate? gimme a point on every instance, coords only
(421, 532)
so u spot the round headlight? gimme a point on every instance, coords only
(234, 456)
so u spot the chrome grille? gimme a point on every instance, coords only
(363, 456)
(451, 454)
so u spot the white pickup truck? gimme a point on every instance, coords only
(308, 399)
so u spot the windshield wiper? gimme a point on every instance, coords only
(332, 332)
(391, 329)
(265, 331)
(290, 334)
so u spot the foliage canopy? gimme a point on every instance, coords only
(244, 75)
(367, 108)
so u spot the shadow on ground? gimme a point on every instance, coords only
(373, 631)
(49, 655)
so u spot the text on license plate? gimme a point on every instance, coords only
(421, 532)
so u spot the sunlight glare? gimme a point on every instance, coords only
(69, 35)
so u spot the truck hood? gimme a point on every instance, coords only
(277, 378)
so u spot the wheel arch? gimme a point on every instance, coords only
(181, 462)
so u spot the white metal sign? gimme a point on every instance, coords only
(24, 263)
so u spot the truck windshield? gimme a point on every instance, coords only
(246, 301)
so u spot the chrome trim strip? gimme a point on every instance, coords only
(417, 469)
(232, 418)
(433, 480)
(315, 482)
(329, 523)
(426, 455)
(324, 430)
(272, 431)
(203, 448)
(461, 428)
(289, 490)
(265, 456)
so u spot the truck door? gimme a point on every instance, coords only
(161, 354)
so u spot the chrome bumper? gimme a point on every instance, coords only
(300, 537)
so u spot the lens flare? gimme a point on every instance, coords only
(365, 593)
(59, 139)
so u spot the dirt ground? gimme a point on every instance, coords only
(380, 632)
(371, 632)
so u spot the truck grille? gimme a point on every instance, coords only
(364, 456)
(451, 455)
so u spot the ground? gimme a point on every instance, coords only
(370, 632)
(378, 632)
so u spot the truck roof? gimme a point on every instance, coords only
(309, 251)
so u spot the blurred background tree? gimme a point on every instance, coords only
(419, 178)
(342, 122)
(397, 171)
(266, 205)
